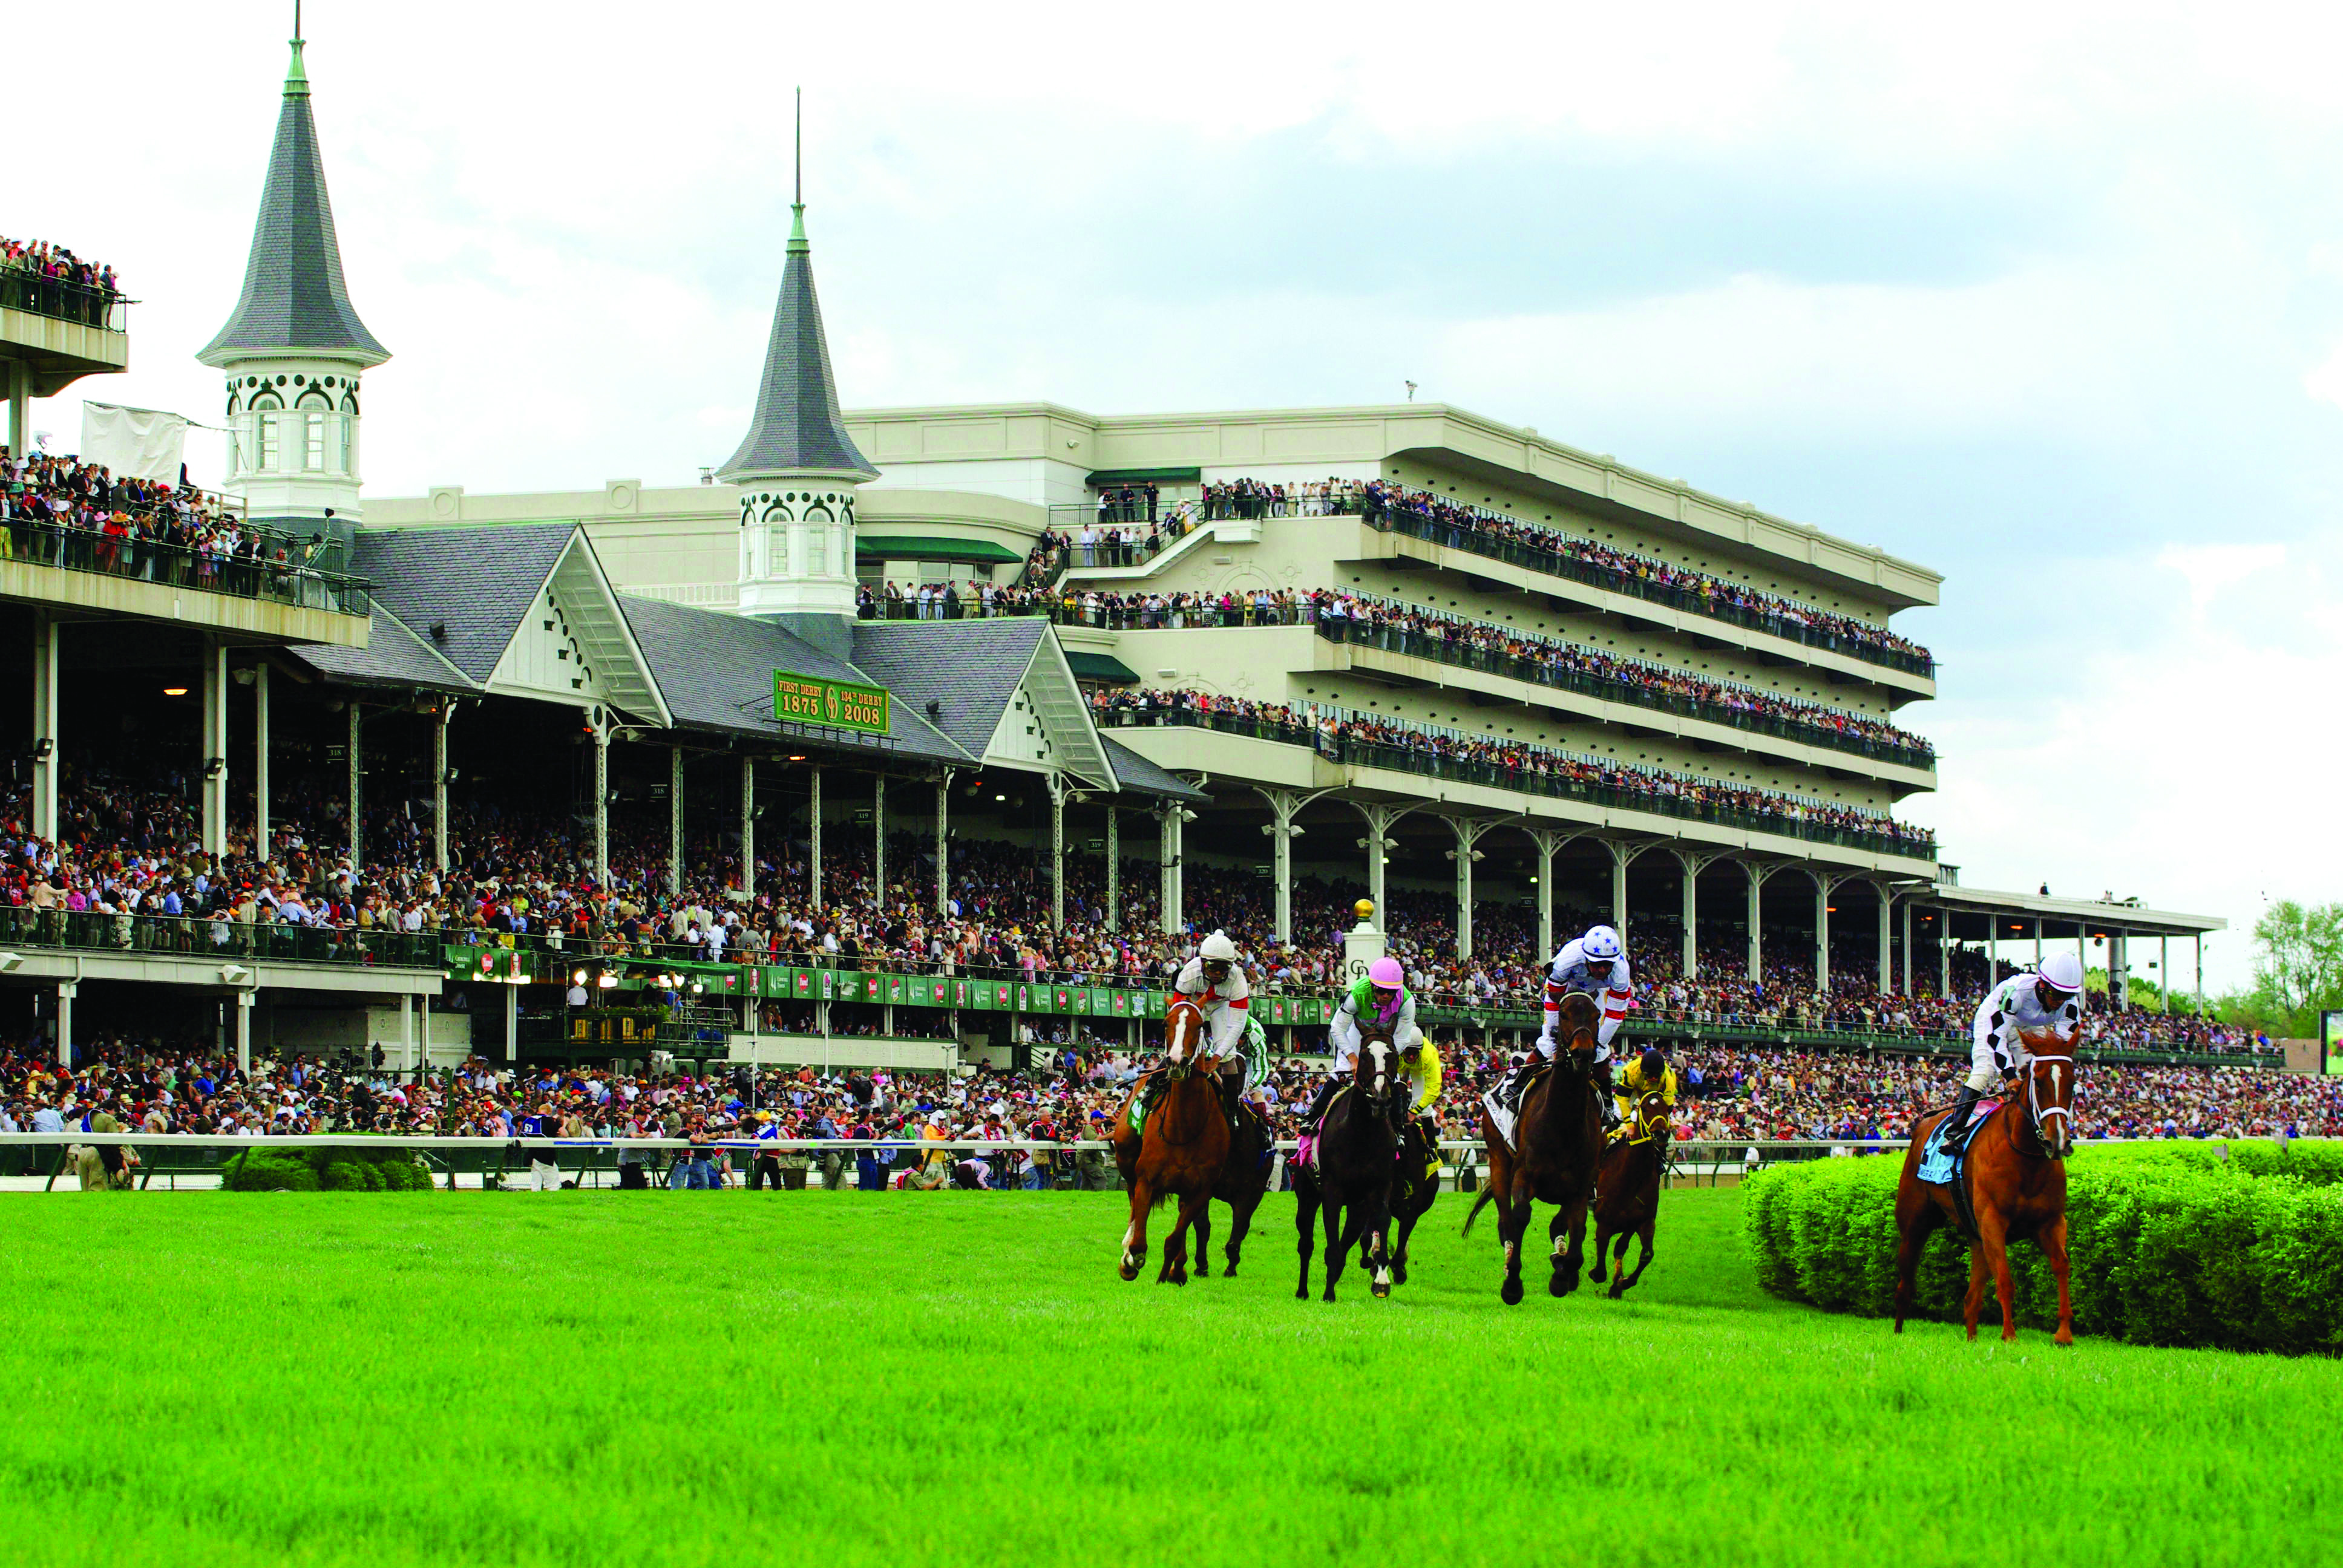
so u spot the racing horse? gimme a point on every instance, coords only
(2014, 1182)
(1414, 1188)
(1627, 1192)
(1351, 1183)
(1181, 1149)
(1557, 1138)
(1242, 1182)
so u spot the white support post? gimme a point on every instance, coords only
(1284, 805)
(261, 834)
(813, 835)
(1693, 863)
(1756, 871)
(675, 819)
(1620, 856)
(748, 829)
(1468, 831)
(1886, 941)
(1907, 947)
(20, 406)
(512, 1023)
(214, 748)
(1822, 886)
(65, 990)
(600, 718)
(943, 841)
(1549, 842)
(245, 998)
(2083, 948)
(1113, 867)
(1172, 822)
(2164, 973)
(1944, 955)
(2038, 944)
(407, 1032)
(441, 837)
(2118, 972)
(1378, 845)
(357, 785)
(48, 657)
(1057, 788)
(2201, 974)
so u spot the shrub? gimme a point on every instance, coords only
(269, 1171)
(2169, 1243)
(341, 1170)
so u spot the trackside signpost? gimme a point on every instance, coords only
(842, 704)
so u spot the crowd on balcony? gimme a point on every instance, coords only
(1347, 733)
(61, 511)
(50, 280)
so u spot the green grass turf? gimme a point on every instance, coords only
(606, 1379)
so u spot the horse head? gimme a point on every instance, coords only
(1378, 1066)
(1575, 1031)
(2050, 1093)
(1652, 1119)
(1183, 1034)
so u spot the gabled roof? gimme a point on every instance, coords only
(395, 655)
(797, 425)
(294, 298)
(1136, 775)
(716, 672)
(476, 582)
(969, 669)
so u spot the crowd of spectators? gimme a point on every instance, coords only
(1349, 735)
(50, 280)
(61, 511)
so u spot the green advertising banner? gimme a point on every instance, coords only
(963, 993)
(1024, 995)
(872, 987)
(801, 981)
(896, 992)
(1122, 1004)
(830, 985)
(844, 705)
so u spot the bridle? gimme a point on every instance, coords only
(1182, 1063)
(1377, 1088)
(2036, 1112)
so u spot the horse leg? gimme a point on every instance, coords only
(1992, 1241)
(1134, 1240)
(1512, 1219)
(1399, 1258)
(1974, 1302)
(1204, 1238)
(1305, 1224)
(1603, 1234)
(2053, 1240)
(1375, 1248)
(1644, 1262)
(1338, 1245)
(1175, 1245)
(1240, 1226)
(1567, 1258)
(1916, 1215)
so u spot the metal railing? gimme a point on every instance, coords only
(217, 938)
(1337, 746)
(85, 304)
(83, 549)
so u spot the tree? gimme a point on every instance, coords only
(2298, 961)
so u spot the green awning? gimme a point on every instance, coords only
(1144, 477)
(1101, 666)
(932, 547)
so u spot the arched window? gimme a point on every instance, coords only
(817, 549)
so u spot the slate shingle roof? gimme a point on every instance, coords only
(1136, 773)
(970, 668)
(478, 581)
(395, 655)
(294, 296)
(797, 424)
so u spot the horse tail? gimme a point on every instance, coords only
(1487, 1192)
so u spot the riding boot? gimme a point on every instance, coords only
(1317, 1106)
(1509, 1093)
(1960, 1116)
(1231, 1093)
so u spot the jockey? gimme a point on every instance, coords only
(1381, 997)
(1646, 1073)
(2050, 999)
(1216, 982)
(1597, 964)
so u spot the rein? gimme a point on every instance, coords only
(2035, 1112)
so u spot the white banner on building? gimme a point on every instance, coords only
(134, 443)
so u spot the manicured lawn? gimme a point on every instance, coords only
(708, 1379)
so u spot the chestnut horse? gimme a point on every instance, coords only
(1183, 1147)
(1627, 1194)
(1557, 1137)
(2015, 1178)
(1356, 1160)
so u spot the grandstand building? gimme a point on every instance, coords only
(1402, 652)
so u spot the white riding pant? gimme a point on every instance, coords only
(1984, 1071)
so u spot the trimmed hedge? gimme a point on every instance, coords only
(325, 1169)
(2237, 1245)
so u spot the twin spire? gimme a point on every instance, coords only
(294, 299)
(797, 427)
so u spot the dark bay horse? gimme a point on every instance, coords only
(1415, 1186)
(1352, 1185)
(2015, 1181)
(1627, 1192)
(1183, 1147)
(1556, 1139)
(1242, 1183)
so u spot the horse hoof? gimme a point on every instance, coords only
(1511, 1292)
(1329, 1295)
(1127, 1271)
(1618, 1289)
(1399, 1273)
(2063, 1337)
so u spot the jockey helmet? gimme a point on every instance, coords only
(1217, 948)
(1654, 1063)
(1385, 974)
(1601, 943)
(2063, 972)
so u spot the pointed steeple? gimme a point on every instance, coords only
(294, 299)
(797, 427)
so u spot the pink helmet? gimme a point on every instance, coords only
(1385, 972)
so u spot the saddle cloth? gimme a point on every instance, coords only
(1503, 1116)
(1305, 1148)
(1940, 1161)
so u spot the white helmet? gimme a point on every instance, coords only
(1601, 943)
(2063, 972)
(1217, 946)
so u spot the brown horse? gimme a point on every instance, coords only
(1183, 1147)
(1351, 1186)
(1627, 1192)
(1557, 1138)
(2015, 1176)
(1241, 1184)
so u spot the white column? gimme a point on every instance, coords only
(2118, 971)
(65, 1024)
(2038, 944)
(2164, 972)
(260, 826)
(245, 998)
(675, 819)
(1945, 954)
(1619, 859)
(601, 721)
(1822, 886)
(1908, 948)
(1468, 833)
(1756, 873)
(357, 785)
(1057, 788)
(2201, 974)
(1284, 805)
(1170, 817)
(512, 1022)
(1887, 942)
(440, 836)
(407, 1032)
(48, 653)
(879, 837)
(20, 407)
(748, 830)
(1549, 842)
(214, 748)
(1378, 842)
(1113, 867)
(943, 845)
(813, 836)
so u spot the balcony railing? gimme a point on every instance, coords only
(1338, 746)
(82, 549)
(82, 303)
(219, 938)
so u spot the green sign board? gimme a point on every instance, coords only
(809, 700)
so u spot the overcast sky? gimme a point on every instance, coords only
(2048, 297)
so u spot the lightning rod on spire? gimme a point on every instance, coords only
(799, 197)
